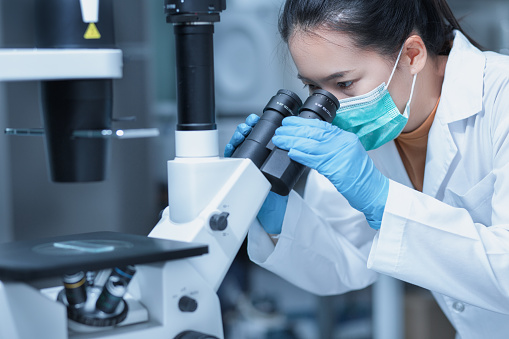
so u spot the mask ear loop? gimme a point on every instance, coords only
(395, 66)
(407, 108)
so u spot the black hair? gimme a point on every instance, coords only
(382, 25)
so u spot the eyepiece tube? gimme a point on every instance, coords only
(282, 172)
(258, 145)
(320, 105)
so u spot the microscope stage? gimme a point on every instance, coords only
(51, 257)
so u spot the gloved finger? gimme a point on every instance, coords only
(288, 142)
(240, 134)
(228, 150)
(299, 122)
(252, 120)
(308, 132)
(244, 129)
(306, 159)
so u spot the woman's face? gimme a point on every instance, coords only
(330, 61)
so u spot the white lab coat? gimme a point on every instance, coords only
(452, 239)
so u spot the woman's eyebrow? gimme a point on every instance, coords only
(327, 78)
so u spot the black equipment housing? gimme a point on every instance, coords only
(70, 105)
(194, 28)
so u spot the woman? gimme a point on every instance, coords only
(411, 179)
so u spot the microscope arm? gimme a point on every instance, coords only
(212, 201)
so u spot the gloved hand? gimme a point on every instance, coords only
(272, 212)
(340, 157)
(240, 134)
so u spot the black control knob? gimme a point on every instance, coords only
(219, 221)
(194, 335)
(187, 304)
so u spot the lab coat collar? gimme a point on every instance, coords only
(462, 94)
(464, 73)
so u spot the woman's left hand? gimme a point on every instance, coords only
(340, 157)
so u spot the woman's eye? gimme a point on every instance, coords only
(345, 84)
(311, 88)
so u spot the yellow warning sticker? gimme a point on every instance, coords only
(92, 32)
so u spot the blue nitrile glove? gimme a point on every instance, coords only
(240, 134)
(272, 212)
(340, 157)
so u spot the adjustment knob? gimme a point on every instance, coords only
(187, 304)
(194, 335)
(219, 221)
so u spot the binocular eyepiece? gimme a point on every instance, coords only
(282, 172)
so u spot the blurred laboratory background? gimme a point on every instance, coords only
(251, 64)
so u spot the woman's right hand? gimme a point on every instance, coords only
(272, 212)
(240, 134)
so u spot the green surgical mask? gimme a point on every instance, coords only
(373, 117)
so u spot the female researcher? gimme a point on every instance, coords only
(411, 179)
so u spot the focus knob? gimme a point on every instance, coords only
(219, 221)
(187, 304)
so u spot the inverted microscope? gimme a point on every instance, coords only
(117, 285)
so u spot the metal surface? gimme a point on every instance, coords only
(53, 64)
(118, 134)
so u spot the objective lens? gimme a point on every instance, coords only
(75, 288)
(111, 295)
(124, 273)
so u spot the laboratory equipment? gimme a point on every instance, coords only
(212, 203)
(212, 200)
(81, 309)
(278, 168)
(75, 60)
(75, 288)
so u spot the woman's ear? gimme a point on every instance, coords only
(415, 53)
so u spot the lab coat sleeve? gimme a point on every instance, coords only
(317, 253)
(443, 246)
(436, 246)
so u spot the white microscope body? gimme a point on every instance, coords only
(170, 298)
(212, 201)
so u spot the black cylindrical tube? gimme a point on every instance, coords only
(195, 76)
(282, 172)
(59, 24)
(111, 295)
(70, 105)
(320, 105)
(258, 145)
(75, 288)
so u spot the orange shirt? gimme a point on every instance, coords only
(412, 148)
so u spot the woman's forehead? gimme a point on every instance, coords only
(321, 36)
(323, 49)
